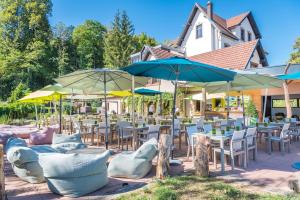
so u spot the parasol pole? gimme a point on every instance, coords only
(132, 102)
(105, 106)
(243, 101)
(60, 113)
(265, 104)
(173, 115)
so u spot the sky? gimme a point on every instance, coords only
(277, 20)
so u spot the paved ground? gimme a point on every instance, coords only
(270, 173)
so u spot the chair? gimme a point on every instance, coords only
(207, 128)
(282, 138)
(199, 123)
(177, 130)
(152, 132)
(239, 122)
(236, 148)
(123, 134)
(251, 142)
(191, 130)
(101, 131)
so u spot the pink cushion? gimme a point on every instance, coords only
(42, 137)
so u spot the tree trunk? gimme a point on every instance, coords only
(164, 148)
(201, 158)
(286, 95)
(203, 102)
(2, 177)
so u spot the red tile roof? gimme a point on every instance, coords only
(159, 53)
(236, 20)
(234, 57)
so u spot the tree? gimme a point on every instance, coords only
(295, 56)
(64, 49)
(24, 40)
(119, 43)
(143, 39)
(88, 39)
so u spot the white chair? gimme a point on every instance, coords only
(239, 123)
(282, 138)
(191, 131)
(152, 132)
(207, 128)
(251, 142)
(123, 134)
(236, 148)
(199, 123)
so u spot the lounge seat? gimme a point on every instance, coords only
(24, 160)
(64, 143)
(75, 175)
(136, 164)
(44, 136)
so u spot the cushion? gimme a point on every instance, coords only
(42, 137)
(78, 171)
(136, 164)
(64, 147)
(4, 137)
(21, 155)
(63, 138)
(43, 149)
(14, 142)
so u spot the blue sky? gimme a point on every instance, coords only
(278, 20)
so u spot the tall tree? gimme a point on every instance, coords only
(63, 48)
(295, 56)
(88, 39)
(119, 43)
(24, 40)
(143, 39)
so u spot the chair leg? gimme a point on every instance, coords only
(289, 150)
(282, 147)
(215, 159)
(127, 144)
(232, 161)
(188, 152)
(245, 160)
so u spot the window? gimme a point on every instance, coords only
(249, 36)
(199, 31)
(280, 103)
(226, 45)
(242, 34)
(198, 106)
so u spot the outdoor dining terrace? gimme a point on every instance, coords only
(266, 168)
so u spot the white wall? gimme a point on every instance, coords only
(195, 46)
(255, 58)
(225, 39)
(247, 27)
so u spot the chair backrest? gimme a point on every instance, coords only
(153, 131)
(236, 140)
(284, 130)
(190, 131)
(215, 118)
(250, 136)
(176, 127)
(207, 128)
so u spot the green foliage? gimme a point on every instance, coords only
(16, 110)
(24, 41)
(164, 193)
(295, 56)
(143, 39)
(64, 51)
(118, 43)
(20, 91)
(251, 109)
(88, 39)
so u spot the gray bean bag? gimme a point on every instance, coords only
(24, 160)
(64, 143)
(136, 164)
(74, 175)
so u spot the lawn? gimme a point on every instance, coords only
(194, 187)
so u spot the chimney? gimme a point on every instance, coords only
(209, 10)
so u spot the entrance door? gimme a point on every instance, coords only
(268, 106)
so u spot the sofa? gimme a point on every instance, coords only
(134, 165)
(24, 159)
(79, 174)
(44, 136)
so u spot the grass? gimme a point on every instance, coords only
(194, 187)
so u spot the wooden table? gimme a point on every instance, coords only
(269, 130)
(135, 131)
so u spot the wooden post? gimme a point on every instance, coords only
(287, 95)
(2, 177)
(164, 148)
(201, 158)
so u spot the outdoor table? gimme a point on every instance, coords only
(219, 138)
(135, 131)
(269, 130)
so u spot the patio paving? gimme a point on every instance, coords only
(270, 173)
